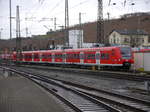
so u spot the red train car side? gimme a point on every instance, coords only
(104, 56)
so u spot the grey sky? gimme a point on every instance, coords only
(35, 11)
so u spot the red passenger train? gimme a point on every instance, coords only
(104, 56)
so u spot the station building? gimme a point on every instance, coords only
(133, 38)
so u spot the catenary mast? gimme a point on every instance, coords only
(66, 40)
(100, 24)
(18, 36)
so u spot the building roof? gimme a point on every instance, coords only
(132, 32)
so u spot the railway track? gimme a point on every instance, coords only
(86, 98)
(133, 76)
(111, 74)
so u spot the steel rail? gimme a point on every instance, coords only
(100, 90)
(108, 100)
(99, 104)
(135, 109)
(119, 75)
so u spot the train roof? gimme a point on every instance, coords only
(91, 49)
(75, 50)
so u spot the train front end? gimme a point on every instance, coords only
(127, 57)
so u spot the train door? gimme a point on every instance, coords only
(64, 58)
(40, 56)
(32, 57)
(81, 58)
(97, 57)
(53, 58)
(23, 57)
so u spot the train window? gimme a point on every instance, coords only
(92, 56)
(104, 56)
(44, 56)
(73, 56)
(59, 56)
(36, 56)
(113, 52)
(89, 56)
(27, 56)
(76, 56)
(81, 56)
(49, 56)
(126, 52)
(97, 56)
(69, 56)
(64, 56)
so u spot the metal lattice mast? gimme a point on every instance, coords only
(100, 23)
(55, 23)
(80, 31)
(66, 41)
(18, 37)
(10, 19)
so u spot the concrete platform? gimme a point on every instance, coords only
(18, 94)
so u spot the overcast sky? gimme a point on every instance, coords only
(32, 13)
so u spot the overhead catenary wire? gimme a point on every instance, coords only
(35, 8)
(58, 4)
(70, 8)
(54, 9)
(32, 16)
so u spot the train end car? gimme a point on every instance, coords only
(127, 56)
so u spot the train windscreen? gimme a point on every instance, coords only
(126, 52)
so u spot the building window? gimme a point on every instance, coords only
(148, 39)
(138, 40)
(142, 40)
(111, 40)
(118, 40)
(114, 35)
(126, 39)
(114, 40)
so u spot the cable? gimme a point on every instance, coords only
(81, 3)
(57, 4)
(75, 6)
(36, 11)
